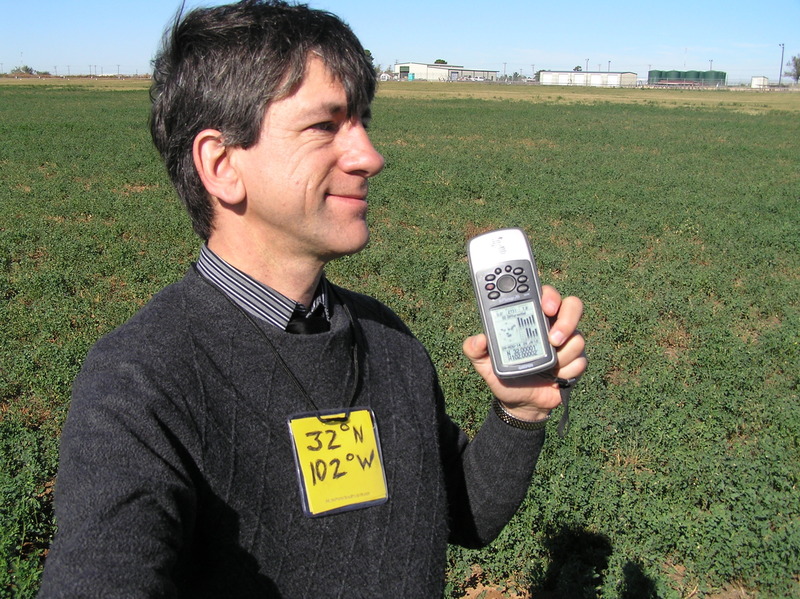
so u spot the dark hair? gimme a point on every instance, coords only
(221, 67)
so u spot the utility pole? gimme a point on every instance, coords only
(711, 64)
(587, 64)
(780, 72)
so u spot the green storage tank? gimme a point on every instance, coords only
(718, 77)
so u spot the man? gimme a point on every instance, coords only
(211, 450)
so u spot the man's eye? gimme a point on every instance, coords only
(328, 126)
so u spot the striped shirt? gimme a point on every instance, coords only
(255, 298)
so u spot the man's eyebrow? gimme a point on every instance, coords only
(338, 109)
(332, 108)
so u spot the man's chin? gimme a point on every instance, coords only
(361, 245)
(353, 245)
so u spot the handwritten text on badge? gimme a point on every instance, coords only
(339, 461)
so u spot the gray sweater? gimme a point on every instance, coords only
(177, 476)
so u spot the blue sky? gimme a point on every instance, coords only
(740, 38)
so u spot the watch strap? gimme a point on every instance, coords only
(528, 425)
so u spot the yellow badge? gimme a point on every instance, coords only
(338, 459)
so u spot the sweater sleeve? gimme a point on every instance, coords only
(487, 478)
(124, 494)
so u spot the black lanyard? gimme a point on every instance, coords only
(356, 334)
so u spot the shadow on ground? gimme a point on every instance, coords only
(578, 562)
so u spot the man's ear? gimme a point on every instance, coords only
(212, 159)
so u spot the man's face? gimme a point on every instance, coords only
(306, 177)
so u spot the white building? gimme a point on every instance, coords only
(759, 82)
(440, 72)
(588, 78)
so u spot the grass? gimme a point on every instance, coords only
(674, 216)
(738, 99)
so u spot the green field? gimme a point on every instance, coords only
(675, 217)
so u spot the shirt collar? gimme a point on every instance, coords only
(255, 298)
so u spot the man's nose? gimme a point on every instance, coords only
(359, 155)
